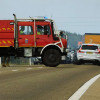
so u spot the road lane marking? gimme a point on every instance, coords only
(14, 70)
(28, 68)
(78, 94)
(40, 67)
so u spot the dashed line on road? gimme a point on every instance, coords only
(40, 67)
(28, 68)
(14, 70)
(78, 94)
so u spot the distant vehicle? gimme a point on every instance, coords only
(93, 38)
(72, 56)
(37, 60)
(68, 59)
(87, 53)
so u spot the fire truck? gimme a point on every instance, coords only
(32, 37)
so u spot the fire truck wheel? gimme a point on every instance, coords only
(52, 58)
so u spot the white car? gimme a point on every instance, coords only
(88, 53)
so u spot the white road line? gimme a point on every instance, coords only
(28, 68)
(77, 95)
(40, 67)
(15, 70)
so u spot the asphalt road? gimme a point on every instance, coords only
(44, 83)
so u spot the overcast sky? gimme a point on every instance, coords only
(80, 16)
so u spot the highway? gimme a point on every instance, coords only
(44, 83)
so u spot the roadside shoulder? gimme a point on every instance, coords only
(93, 93)
(79, 93)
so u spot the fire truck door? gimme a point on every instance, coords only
(25, 36)
(43, 34)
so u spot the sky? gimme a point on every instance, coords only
(76, 16)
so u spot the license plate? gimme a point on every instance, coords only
(89, 52)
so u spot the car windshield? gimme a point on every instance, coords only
(89, 47)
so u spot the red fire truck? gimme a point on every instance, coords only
(33, 37)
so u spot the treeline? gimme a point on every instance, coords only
(73, 39)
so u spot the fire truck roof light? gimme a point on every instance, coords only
(40, 17)
(45, 17)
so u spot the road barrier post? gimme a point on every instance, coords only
(0, 63)
(30, 62)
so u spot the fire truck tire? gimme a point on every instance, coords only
(52, 58)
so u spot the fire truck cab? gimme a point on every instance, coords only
(32, 37)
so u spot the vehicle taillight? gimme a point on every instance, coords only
(79, 51)
(98, 51)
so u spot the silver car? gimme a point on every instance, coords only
(87, 53)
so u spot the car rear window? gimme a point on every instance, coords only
(89, 47)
